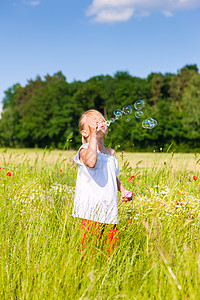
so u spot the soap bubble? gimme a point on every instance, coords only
(118, 113)
(149, 123)
(138, 114)
(131, 122)
(127, 110)
(139, 104)
(111, 120)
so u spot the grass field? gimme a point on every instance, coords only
(158, 254)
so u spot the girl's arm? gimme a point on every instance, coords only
(89, 155)
(120, 187)
(126, 195)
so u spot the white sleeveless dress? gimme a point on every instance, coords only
(96, 194)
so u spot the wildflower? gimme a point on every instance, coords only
(0, 168)
(195, 178)
(179, 193)
(60, 171)
(8, 174)
(128, 194)
(131, 178)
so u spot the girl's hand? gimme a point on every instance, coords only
(93, 127)
(127, 196)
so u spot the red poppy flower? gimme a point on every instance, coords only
(195, 178)
(60, 171)
(133, 194)
(8, 174)
(0, 168)
(131, 178)
(179, 193)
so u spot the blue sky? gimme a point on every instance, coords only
(85, 38)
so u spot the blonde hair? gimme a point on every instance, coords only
(83, 118)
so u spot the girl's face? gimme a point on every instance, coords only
(96, 121)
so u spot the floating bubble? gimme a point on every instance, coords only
(118, 113)
(154, 122)
(139, 104)
(112, 120)
(138, 114)
(149, 123)
(127, 110)
(131, 122)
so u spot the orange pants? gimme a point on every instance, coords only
(96, 231)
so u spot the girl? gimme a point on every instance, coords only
(97, 185)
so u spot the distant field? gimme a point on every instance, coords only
(177, 160)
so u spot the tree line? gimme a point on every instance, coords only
(46, 112)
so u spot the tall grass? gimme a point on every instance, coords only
(158, 253)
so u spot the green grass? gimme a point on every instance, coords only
(158, 255)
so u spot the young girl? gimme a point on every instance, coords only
(97, 185)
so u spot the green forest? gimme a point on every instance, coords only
(46, 112)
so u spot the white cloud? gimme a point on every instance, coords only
(122, 10)
(113, 15)
(167, 13)
(32, 3)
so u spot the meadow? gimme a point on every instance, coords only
(158, 253)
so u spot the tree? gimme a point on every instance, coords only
(45, 111)
(191, 108)
(156, 83)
